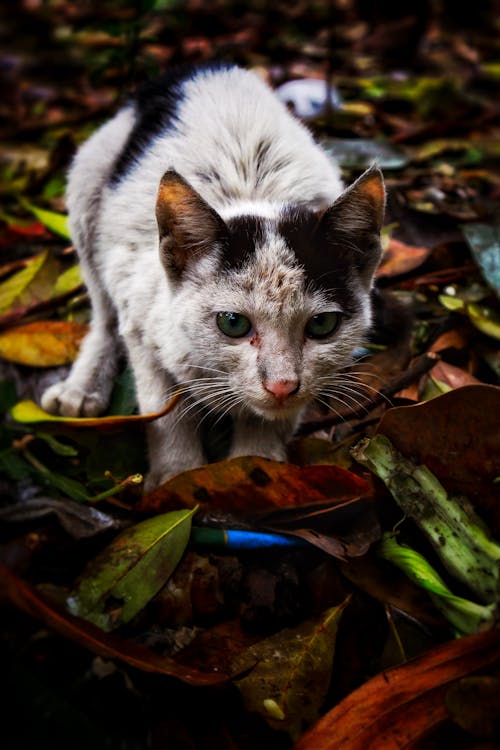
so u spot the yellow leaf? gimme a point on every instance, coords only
(42, 344)
(11, 289)
(28, 412)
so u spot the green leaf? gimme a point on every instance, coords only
(485, 319)
(459, 536)
(11, 289)
(292, 673)
(68, 280)
(55, 223)
(467, 616)
(131, 570)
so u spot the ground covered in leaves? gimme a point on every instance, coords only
(149, 621)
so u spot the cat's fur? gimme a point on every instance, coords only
(251, 217)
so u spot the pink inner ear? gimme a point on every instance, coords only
(374, 188)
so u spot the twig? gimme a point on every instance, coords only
(422, 364)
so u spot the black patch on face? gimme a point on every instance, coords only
(324, 268)
(155, 104)
(245, 233)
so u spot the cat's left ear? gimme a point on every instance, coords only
(189, 228)
(353, 223)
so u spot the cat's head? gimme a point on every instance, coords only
(270, 306)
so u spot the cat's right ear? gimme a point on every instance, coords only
(189, 228)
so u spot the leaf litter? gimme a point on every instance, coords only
(221, 614)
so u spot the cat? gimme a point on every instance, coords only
(218, 242)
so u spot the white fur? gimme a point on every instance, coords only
(170, 331)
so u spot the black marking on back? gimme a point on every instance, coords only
(156, 104)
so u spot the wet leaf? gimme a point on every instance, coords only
(42, 344)
(456, 436)
(292, 672)
(252, 483)
(55, 223)
(400, 258)
(27, 412)
(29, 600)
(360, 153)
(484, 242)
(401, 706)
(119, 582)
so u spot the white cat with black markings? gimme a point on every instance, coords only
(216, 240)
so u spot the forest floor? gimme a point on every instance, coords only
(364, 623)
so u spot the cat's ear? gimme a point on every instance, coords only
(189, 228)
(353, 223)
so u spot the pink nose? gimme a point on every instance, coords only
(281, 388)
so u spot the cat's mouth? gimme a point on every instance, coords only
(279, 409)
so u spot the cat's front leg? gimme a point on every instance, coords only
(255, 436)
(87, 389)
(173, 446)
(174, 442)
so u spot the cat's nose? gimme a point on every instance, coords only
(281, 389)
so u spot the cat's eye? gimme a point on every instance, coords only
(322, 325)
(233, 324)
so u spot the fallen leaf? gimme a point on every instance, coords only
(484, 242)
(400, 258)
(47, 343)
(341, 529)
(292, 672)
(251, 483)
(54, 222)
(11, 290)
(28, 599)
(122, 579)
(485, 319)
(453, 377)
(401, 706)
(27, 412)
(68, 281)
(456, 436)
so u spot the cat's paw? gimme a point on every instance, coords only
(70, 400)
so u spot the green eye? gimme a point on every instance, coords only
(322, 325)
(233, 324)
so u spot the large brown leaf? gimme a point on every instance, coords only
(397, 708)
(251, 483)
